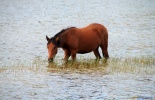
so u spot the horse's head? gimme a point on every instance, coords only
(52, 48)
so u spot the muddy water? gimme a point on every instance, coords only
(24, 25)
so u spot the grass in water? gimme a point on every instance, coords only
(133, 65)
(143, 65)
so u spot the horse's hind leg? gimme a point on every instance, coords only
(105, 51)
(97, 54)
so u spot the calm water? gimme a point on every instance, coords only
(25, 23)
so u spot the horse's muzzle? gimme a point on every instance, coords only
(50, 60)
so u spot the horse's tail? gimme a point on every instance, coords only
(105, 42)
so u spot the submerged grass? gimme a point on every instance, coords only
(143, 65)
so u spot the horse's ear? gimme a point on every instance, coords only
(47, 38)
(57, 39)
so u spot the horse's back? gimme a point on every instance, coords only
(90, 37)
(95, 26)
(92, 31)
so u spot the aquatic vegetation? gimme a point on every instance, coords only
(143, 65)
(112, 65)
(133, 65)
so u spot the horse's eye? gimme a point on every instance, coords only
(54, 47)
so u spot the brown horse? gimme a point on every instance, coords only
(79, 40)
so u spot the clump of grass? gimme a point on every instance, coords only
(144, 65)
(79, 66)
(37, 65)
(133, 65)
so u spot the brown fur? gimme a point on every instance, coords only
(81, 40)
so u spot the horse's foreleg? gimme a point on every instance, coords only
(97, 54)
(73, 54)
(67, 54)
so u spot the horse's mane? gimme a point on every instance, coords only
(53, 39)
(62, 31)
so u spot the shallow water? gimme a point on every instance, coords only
(25, 23)
(77, 82)
(102, 80)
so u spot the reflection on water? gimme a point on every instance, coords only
(128, 74)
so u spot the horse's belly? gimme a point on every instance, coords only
(86, 49)
(83, 52)
(88, 46)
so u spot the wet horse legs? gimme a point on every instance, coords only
(67, 54)
(97, 54)
(105, 51)
(73, 54)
